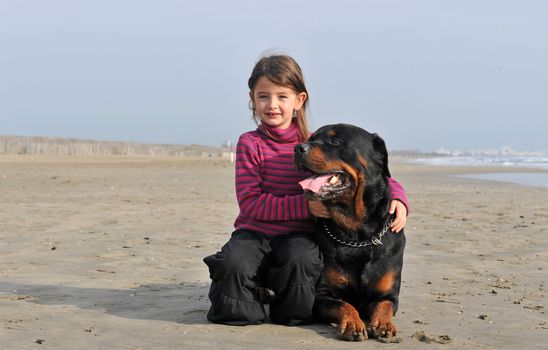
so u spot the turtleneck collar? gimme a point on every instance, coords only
(291, 134)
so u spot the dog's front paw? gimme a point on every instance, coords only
(352, 328)
(381, 324)
(382, 328)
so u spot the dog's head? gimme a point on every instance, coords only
(350, 167)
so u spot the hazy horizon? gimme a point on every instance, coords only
(423, 74)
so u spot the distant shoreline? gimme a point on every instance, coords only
(66, 146)
(60, 146)
(505, 161)
(41, 145)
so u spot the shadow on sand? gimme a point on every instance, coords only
(185, 303)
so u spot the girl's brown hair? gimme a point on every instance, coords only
(284, 71)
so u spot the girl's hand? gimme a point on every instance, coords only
(401, 215)
(317, 209)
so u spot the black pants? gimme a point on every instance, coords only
(289, 265)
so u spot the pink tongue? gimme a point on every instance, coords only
(314, 183)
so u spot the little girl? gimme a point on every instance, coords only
(271, 248)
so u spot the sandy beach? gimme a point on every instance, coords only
(106, 253)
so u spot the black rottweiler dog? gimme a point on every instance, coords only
(359, 286)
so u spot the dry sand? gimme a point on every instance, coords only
(106, 253)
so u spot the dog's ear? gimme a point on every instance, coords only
(381, 154)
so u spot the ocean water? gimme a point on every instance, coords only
(504, 161)
(536, 179)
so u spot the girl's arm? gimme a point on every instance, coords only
(253, 202)
(398, 205)
(398, 193)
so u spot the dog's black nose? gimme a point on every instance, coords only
(302, 148)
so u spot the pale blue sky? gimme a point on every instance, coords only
(464, 74)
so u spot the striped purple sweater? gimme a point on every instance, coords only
(267, 184)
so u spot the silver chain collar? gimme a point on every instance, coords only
(358, 244)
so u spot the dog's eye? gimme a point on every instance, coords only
(335, 141)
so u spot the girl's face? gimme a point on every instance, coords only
(275, 104)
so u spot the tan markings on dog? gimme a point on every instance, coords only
(331, 133)
(381, 320)
(336, 278)
(351, 223)
(386, 282)
(340, 165)
(351, 326)
(344, 310)
(359, 206)
(316, 160)
(363, 162)
(383, 310)
(361, 210)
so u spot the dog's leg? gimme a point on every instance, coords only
(350, 325)
(381, 320)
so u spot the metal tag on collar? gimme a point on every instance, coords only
(376, 241)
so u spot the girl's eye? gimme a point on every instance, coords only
(335, 141)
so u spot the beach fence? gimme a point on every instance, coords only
(36, 145)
